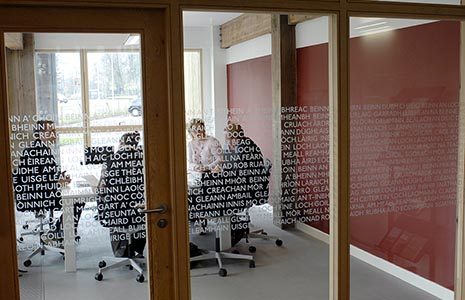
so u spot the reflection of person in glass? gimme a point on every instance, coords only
(37, 179)
(205, 153)
(121, 193)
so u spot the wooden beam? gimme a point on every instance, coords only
(249, 26)
(9, 285)
(460, 239)
(14, 41)
(295, 19)
(339, 142)
(284, 94)
(244, 28)
(21, 78)
(21, 82)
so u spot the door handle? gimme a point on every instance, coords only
(159, 210)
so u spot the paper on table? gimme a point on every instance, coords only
(91, 179)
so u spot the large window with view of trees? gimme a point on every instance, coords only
(100, 91)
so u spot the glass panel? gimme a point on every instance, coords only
(110, 138)
(77, 192)
(257, 164)
(404, 143)
(114, 88)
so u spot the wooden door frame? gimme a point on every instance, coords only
(168, 256)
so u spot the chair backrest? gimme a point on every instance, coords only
(265, 180)
(122, 187)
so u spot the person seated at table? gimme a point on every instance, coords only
(243, 154)
(205, 152)
(240, 148)
(121, 193)
(245, 159)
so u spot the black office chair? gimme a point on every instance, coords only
(120, 194)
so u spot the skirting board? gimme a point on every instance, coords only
(383, 265)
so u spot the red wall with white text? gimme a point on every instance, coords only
(404, 95)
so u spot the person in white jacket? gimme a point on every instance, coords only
(205, 152)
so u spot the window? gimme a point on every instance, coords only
(193, 83)
(99, 91)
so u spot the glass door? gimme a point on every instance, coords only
(83, 151)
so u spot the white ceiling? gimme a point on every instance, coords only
(76, 41)
(205, 19)
(367, 26)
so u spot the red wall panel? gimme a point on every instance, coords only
(414, 72)
(249, 99)
(407, 81)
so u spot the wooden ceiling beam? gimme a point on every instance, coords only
(295, 19)
(249, 26)
(244, 28)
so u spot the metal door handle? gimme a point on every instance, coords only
(159, 210)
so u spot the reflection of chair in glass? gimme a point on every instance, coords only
(121, 192)
(407, 240)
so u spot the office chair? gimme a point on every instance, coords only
(131, 260)
(260, 232)
(35, 229)
(120, 194)
(38, 160)
(42, 245)
(219, 255)
(223, 219)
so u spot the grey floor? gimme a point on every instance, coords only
(297, 270)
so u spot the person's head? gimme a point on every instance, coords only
(196, 128)
(45, 131)
(233, 134)
(130, 139)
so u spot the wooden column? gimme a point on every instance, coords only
(9, 286)
(460, 242)
(21, 84)
(284, 94)
(339, 256)
(181, 282)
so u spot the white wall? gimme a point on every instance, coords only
(200, 38)
(214, 77)
(257, 47)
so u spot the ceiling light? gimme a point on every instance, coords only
(370, 25)
(376, 30)
(132, 40)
